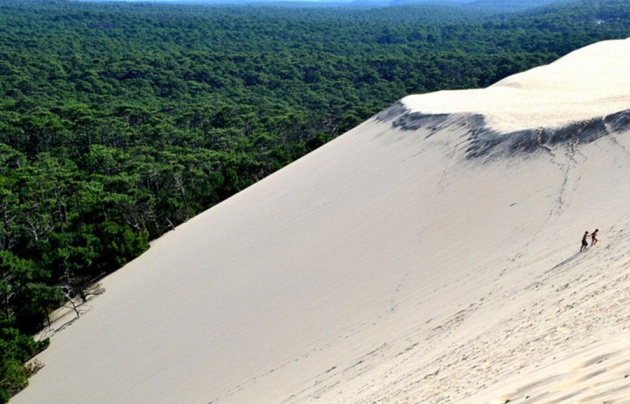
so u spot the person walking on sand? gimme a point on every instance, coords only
(594, 237)
(584, 242)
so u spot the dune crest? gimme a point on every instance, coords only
(591, 82)
(431, 254)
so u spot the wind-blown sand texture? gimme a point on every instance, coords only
(429, 255)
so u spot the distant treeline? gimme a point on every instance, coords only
(119, 121)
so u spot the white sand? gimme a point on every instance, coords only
(576, 87)
(385, 267)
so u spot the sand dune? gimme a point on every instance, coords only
(592, 81)
(429, 255)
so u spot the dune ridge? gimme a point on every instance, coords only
(589, 82)
(430, 254)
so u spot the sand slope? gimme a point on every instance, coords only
(395, 264)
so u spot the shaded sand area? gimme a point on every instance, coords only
(394, 264)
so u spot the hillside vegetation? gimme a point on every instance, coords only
(120, 121)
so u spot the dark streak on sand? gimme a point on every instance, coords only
(484, 141)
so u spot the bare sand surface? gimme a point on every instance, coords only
(385, 267)
(573, 88)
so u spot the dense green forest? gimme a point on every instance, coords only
(119, 121)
